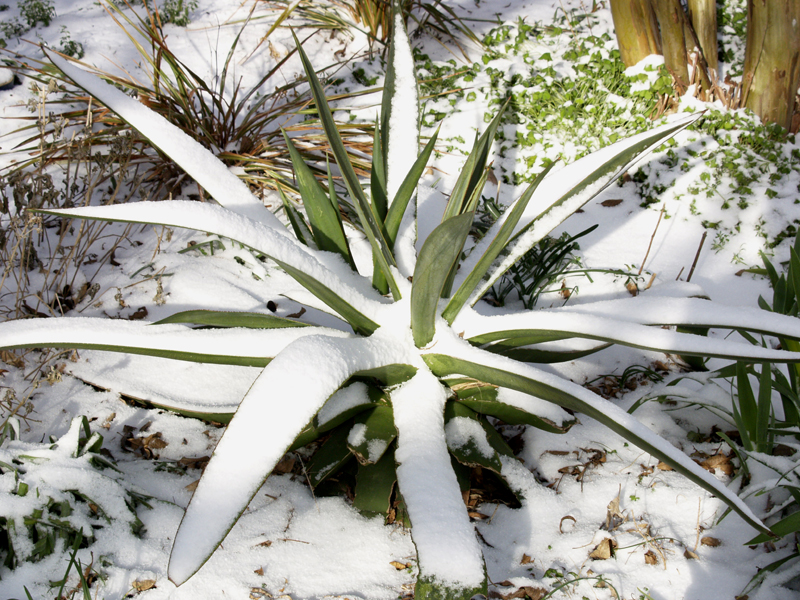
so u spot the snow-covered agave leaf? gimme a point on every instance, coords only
(262, 429)
(450, 558)
(505, 329)
(208, 171)
(329, 458)
(466, 438)
(354, 304)
(366, 214)
(371, 434)
(504, 372)
(486, 400)
(251, 348)
(437, 259)
(561, 194)
(345, 404)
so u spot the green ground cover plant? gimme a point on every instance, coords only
(414, 373)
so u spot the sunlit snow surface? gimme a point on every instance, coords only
(290, 543)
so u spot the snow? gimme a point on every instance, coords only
(289, 542)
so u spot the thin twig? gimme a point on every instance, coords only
(652, 237)
(697, 256)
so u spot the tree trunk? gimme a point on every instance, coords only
(671, 19)
(637, 30)
(772, 59)
(703, 15)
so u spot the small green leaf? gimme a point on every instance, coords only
(301, 229)
(440, 252)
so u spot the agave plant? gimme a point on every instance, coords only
(414, 370)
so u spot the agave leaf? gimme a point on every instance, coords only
(295, 259)
(450, 557)
(473, 170)
(491, 252)
(541, 356)
(437, 257)
(627, 330)
(786, 526)
(372, 433)
(345, 404)
(254, 348)
(301, 229)
(365, 210)
(374, 485)
(529, 380)
(484, 399)
(466, 438)
(225, 187)
(262, 429)
(378, 173)
(406, 191)
(323, 216)
(330, 457)
(223, 318)
(399, 108)
(561, 194)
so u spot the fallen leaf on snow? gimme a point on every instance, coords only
(615, 202)
(650, 558)
(604, 550)
(710, 541)
(144, 584)
(690, 555)
(526, 560)
(400, 566)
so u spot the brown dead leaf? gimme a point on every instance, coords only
(285, 465)
(561, 523)
(710, 541)
(400, 566)
(531, 593)
(526, 560)
(144, 584)
(298, 314)
(192, 486)
(662, 466)
(632, 288)
(650, 558)
(139, 314)
(194, 462)
(12, 359)
(143, 445)
(259, 571)
(615, 202)
(476, 515)
(265, 544)
(718, 461)
(604, 550)
(690, 554)
(106, 424)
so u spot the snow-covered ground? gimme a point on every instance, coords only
(580, 488)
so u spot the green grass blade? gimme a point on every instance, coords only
(746, 411)
(574, 397)
(378, 172)
(323, 217)
(440, 252)
(368, 219)
(762, 435)
(221, 318)
(491, 253)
